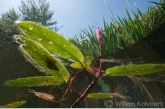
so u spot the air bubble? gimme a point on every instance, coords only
(64, 45)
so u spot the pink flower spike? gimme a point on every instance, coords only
(99, 35)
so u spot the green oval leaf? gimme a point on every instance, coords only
(51, 41)
(43, 58)
(35, 81)
(100, 95)
(105, 88)
(100, 82)
(14, 104)
(133, 69)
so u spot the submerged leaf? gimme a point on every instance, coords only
(77, 65)
(101, 95)
(14, 104)
(105, 88)
(42, 95)
(88, 60)
(100, 82)
(35, 81)
(82, 65)
(51, 64)
(133, 69)
(51, 41)
(43, 58)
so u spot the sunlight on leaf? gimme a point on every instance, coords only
(82, 65)
(43, 58)
(133, 69)
(88, 60)
(51, 41)
(14, 104)
(35, 81)
(77, 65)
(100, 95)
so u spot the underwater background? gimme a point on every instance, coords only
(131, 42)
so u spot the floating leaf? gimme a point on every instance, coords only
(105, 88)
(100, 95)
(82, 65)
(100, 82)
(35, 81)
(43, 58)
(133, 69)
(14, 104)
(51, 41)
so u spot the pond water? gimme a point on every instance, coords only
(133, 91)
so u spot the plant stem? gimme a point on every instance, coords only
(85, 93)
(88, 89)
(100, 44)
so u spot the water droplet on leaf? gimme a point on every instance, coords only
(50, 42)
(31, 28)
(39, 39)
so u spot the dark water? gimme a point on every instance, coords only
(135, 89)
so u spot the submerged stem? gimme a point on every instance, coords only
(88, 89)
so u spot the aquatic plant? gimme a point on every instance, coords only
(41, 46)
